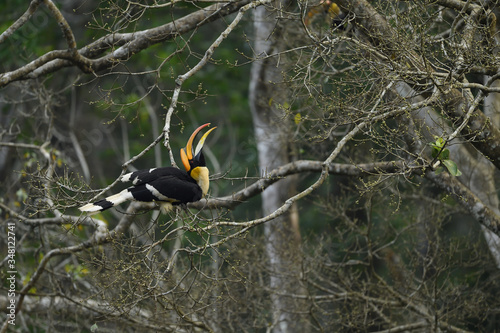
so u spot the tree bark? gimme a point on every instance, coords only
(489, 196)
(273, 144)
(374, 27)
(477, 171)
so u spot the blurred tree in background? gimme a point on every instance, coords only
(354, 167)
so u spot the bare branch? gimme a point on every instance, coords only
(19, 145)
(301, 166)
(481, 212)
(208, 54)
(100, 236)
(325, 166)
(63, 24)
(129, 44)
(21, 21)
(375, 27)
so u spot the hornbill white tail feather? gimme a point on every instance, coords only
(113, 200)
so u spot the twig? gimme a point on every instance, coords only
(124, 45)
(325, 166)
(207, 56)
(21, 21)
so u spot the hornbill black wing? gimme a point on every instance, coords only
(148, 175)
(167, 188)
(168, 184)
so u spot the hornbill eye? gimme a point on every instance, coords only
(190, 160)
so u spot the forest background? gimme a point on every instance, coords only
(353, 169)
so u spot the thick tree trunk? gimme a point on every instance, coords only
(486, 182)
(273, 144)
(477, 170)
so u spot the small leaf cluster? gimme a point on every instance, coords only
(442, 156)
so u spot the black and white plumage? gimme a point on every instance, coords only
(334, 15)
(166, 186)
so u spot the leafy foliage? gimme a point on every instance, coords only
(442, 154)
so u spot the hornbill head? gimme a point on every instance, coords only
(194, 162)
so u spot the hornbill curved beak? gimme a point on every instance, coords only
(189, 160)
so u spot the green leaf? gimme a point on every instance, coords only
(297, 118)
(445, 154)
(439, 142)
(452, 168)
(435, 152)
(438, 170)
(93, 328)
(437, 149)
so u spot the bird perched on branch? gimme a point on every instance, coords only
(333, 13)
(166, 186)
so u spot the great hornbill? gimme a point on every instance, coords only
(167, 186)
(329, 7)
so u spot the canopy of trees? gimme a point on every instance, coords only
(353, 171)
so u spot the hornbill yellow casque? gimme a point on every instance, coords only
(167, 186)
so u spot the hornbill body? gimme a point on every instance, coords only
(167, 186)
(329, 7)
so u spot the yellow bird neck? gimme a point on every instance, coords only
(200, 174)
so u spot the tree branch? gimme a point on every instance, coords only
(462, 194)
(206, 57)
(21, 21)
(100, 236)
(325, 167)
(301, 166)
(477, 125)
(128, 44)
